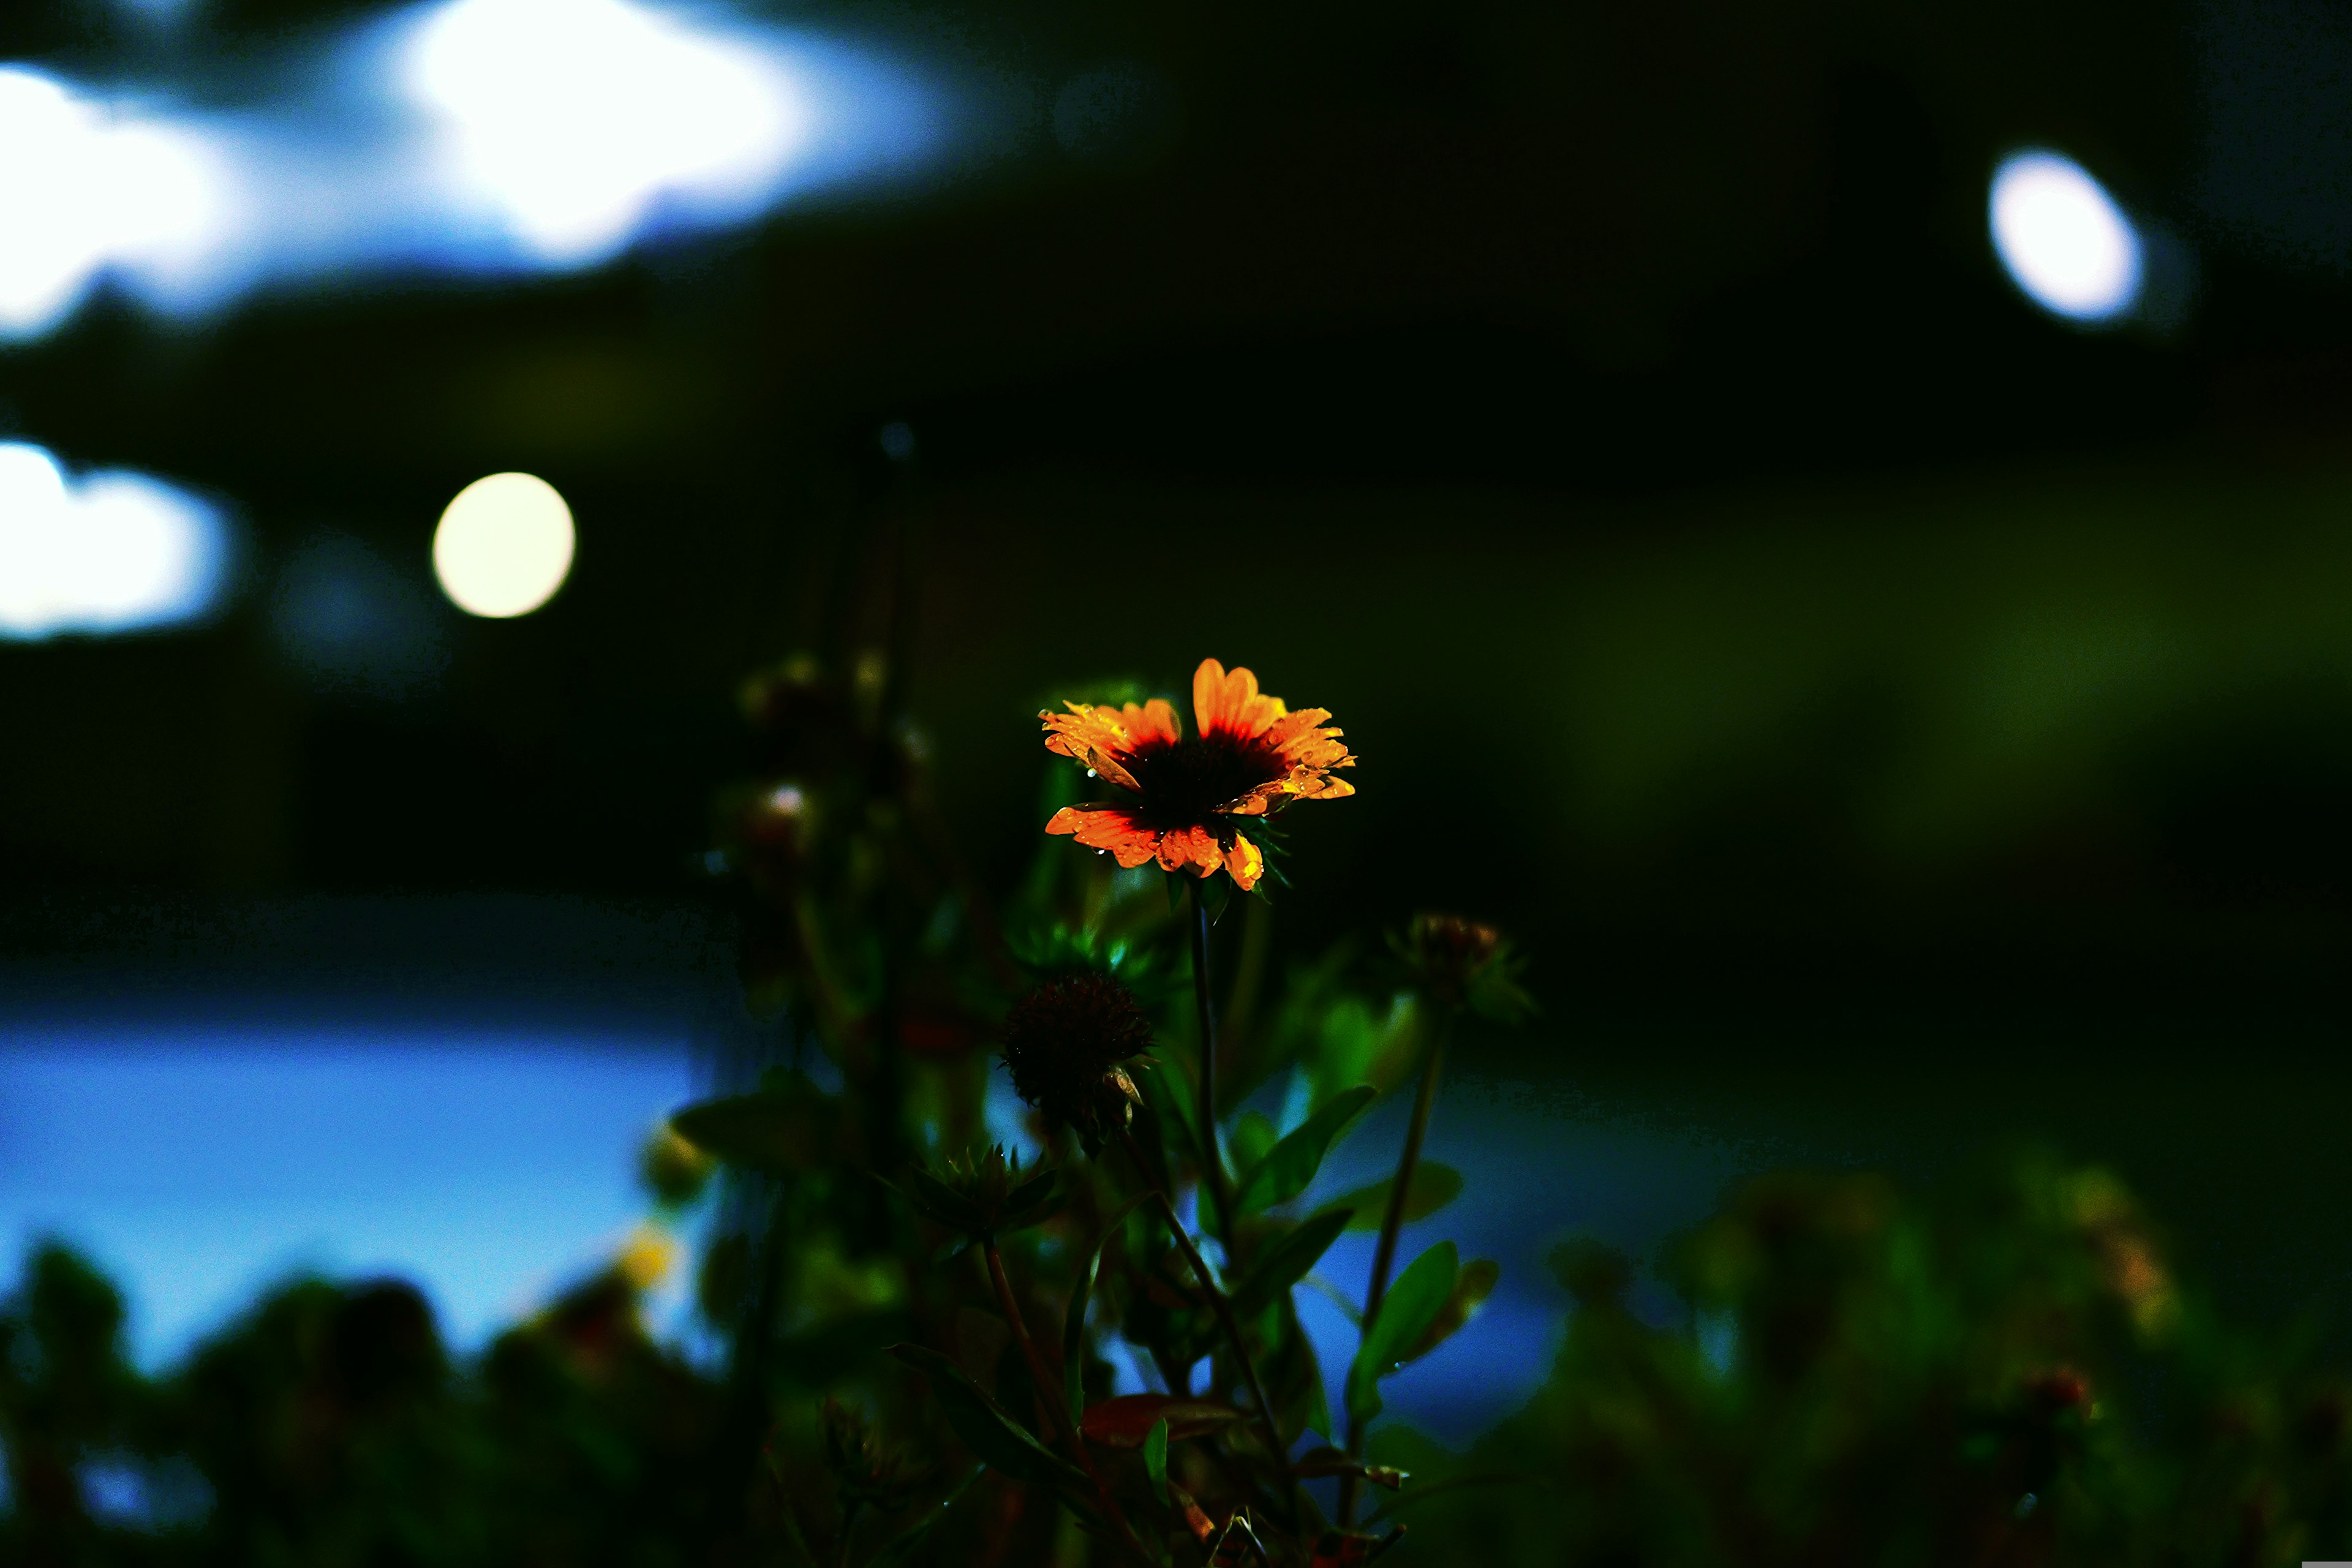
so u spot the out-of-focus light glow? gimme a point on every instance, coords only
(84, 189)
(2064, 239)
(466, 136)
(504, 546)
(575, 117)
(112, 551)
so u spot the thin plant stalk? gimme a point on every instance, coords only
(1050, 1411)
(744, 1433)
(848, 1531)
(1223, 1309)
(1212, 1158)
(1391, 1223)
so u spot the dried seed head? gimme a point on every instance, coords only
(1066, 1044)
(865, 1471)
(1462, 962)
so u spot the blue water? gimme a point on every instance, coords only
(198, 1168)
(1538, 1166)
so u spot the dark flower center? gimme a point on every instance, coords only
(1183, 782)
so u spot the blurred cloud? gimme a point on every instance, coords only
(465, 136)
(110, 552)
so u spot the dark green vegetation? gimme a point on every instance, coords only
(2002, 1372)
(921, 1334)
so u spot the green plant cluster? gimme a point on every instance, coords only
(330, 1429)
(2004, 1373)
(883, 1251)
(937, 1350)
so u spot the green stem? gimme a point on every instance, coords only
(1051, 1415)
(1223, 1309)
(849, 1513)
(1392, 1222)
(1211, 1157)
(743, 1436)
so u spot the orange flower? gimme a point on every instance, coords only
(1187, 799)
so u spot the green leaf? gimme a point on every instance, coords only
(1412, 1304)
(1291, 1165)
(1470, 1292)
(1434, 1186)
(942, 1203)
(1155, 1458)
(1001, 1442)
(1345, 1039)
(1169, 1090)
(1294, 1382)
(1285, 1263)
(1073, 1320)
(1036, 1190)
(781, 1133)
(1252, 1136)
(1032, 1202)
(907, 1540)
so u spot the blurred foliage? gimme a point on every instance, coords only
(2007, 1373)
(2003, 1372)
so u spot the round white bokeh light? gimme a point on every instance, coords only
(504, 545)
(2064, 239)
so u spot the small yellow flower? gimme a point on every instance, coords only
(647, 1257)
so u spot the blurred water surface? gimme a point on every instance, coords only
(199, 1167)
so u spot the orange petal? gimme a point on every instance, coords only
(1130, 843)
(1244, 863)
(1155, 720)
(1295, 724)
(1097, 736)
(1208, 693)
(1228, 701)
(1193, 850)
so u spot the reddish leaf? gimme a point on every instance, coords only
(1203, 1527)
(1125, 1422)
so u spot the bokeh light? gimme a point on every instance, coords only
(2064, 239)
(504, 545)
(111, 552)
(85, 190)
(466, 136)
(573, 118)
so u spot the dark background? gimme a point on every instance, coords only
(1892, 719)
